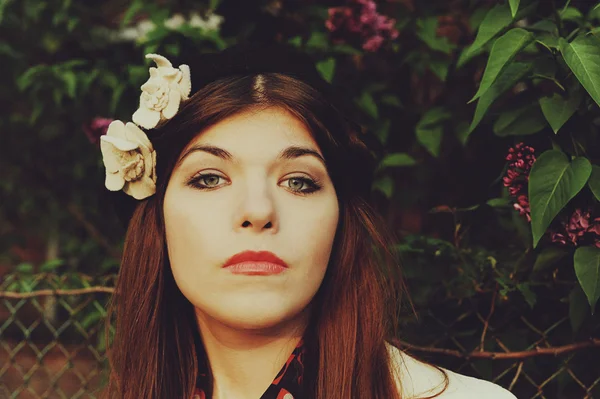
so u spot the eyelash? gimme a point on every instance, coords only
(314, 185)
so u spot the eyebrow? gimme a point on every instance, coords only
(288, 153)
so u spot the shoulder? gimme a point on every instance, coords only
(417, 379)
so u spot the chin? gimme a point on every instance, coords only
(256, 314)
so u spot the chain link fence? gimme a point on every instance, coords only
(52, 341)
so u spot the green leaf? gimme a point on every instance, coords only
(397, 159)
(578, 308)
(317, 40)
(461, 132)
(24, 268)
(51, 265)
(514, 7)
(594, 182)
(367, 104)
(558, 110)
(494, 22)
(391, 100)
(431, 138)
(434, 116)
(498, 202)
(545, 25)
(547, 258)
(520, 122)
(570, 14)
(548, 40)
(327, 68)
(429, 130)
(503, 51)
(587, 269)
(29, 76)
(383, 131)
(440, 69)
(582, 56)
(529, 295)
(553, 182)
(507, 79)
(466, 55)
(134, 9)
(385, 185)
(70, 80)
(427, 32)
(295, 41)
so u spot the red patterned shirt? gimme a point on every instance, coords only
(286, 385)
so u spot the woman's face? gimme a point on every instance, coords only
(247, 191)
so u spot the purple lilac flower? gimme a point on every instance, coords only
(96, 128)
(360, 20)
(520, 160)
(579, 229)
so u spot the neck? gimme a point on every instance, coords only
(244, 362)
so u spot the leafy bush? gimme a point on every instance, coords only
(488, 112)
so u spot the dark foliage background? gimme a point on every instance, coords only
(488, 113)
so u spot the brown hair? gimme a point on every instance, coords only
(156, 350)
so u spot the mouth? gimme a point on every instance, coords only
(254, 263)
(256, 268)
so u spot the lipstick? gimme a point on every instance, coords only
(261, 263)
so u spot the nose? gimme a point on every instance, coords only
(257, 209)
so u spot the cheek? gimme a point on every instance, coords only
(190, 233)
(313, 231)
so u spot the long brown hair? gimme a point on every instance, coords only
(156, 351)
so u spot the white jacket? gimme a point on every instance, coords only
(418, 379)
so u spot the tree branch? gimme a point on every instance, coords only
(50, 292)
(554, 351)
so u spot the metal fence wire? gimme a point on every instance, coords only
(52, 341)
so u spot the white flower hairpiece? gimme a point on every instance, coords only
(130, 160)
(162, 92)
(127, 153)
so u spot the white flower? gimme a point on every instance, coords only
(144, 27)
(213, 22)
(162, 92)
(130, 160)
(175, 22)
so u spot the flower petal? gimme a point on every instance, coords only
(145, 117)
(149, 165)
(113, 181)
(185, 85)
(118, 143)
(150, 86)
(173, 104)
(159, 60)
(116, 129)
(152, 175)
(137, 135)
(140, 189)
(168, 72)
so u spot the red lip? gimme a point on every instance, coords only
(253, 256)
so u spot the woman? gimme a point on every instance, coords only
(253, 266)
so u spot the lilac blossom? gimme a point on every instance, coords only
(359, 20)
(520, 160)
(96, 128)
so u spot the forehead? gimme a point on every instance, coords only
(264, 129)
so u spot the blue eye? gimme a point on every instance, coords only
(311, 185)
(204, 181)
(299, 185)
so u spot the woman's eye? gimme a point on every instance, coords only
(300, 185)
(296, 184)
(205, 181)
